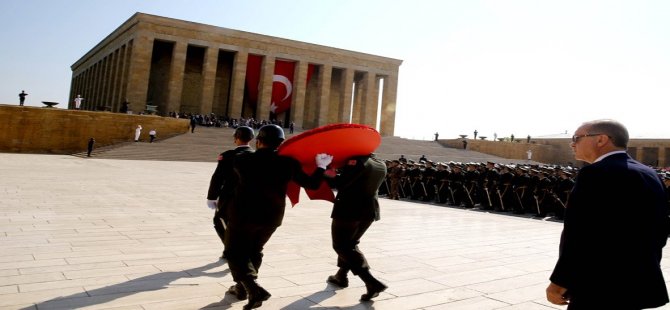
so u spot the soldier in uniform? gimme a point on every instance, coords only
(456, 180)
(223, 180)
(490, 186)
(414, 178)
(356, 207)
(257, 207)
(530, 203)
(429, 182)
(471, 183)
(563, 188)
(394, 174)
(543, 194)
(520, 183)
(442, 183)
(505, 188)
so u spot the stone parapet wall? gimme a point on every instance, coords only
(59, 131)
(654, 152)
(546, 153)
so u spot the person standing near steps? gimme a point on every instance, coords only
(138, 132)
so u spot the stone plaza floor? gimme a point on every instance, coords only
(86, 233)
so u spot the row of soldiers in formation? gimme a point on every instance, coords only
(535, 189)
(540, 190)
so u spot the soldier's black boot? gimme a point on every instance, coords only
(257, 294)
(340, 278)
(373, 286)
(238, 291)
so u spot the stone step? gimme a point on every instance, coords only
(206, 143)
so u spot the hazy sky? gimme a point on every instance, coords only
(531, 67)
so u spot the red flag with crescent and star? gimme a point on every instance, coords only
(253, 77)
(282, 86)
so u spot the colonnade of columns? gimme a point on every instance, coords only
(337, 93)
(104, 84)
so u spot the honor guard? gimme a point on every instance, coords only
(223, 180)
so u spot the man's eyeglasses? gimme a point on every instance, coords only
(575, 139)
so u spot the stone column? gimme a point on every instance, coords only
(90, 87)
(389, 94)
(116, 80)
(138, 72)
(100, 85)
(369, 102)
(348, 87)
(105, 81)
(125, 64)
(93, 93)
(265, 89)
(324, 94)
(176, 80)
(357, 116)
(237, 84)
(209, 79)
(299, 90)
(106, 89)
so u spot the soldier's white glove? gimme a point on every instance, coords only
(211, 204)
(323, 160)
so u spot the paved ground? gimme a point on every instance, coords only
(80, 233)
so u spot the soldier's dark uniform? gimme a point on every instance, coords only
(414, 181)
(456, 180)
(563, 188)
(221, 186)
(429, 181)
(530, 203)
(257, 208)
(442, 183)
(356, 207)
(543, 193)
(409, 173)
(505, 189)
(520, 182)
(491, 178)
(471, 182)
(223, 180)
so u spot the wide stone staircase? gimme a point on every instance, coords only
(205, 144)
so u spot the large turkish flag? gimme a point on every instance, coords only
(253, 78)
(282, 86)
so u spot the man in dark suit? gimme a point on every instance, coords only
(221, 185)
(257, 207)
(356, 207)
(615, 228)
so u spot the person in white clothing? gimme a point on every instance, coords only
(77, 102)
(138, 131)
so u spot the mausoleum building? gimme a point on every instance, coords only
(163, 65)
